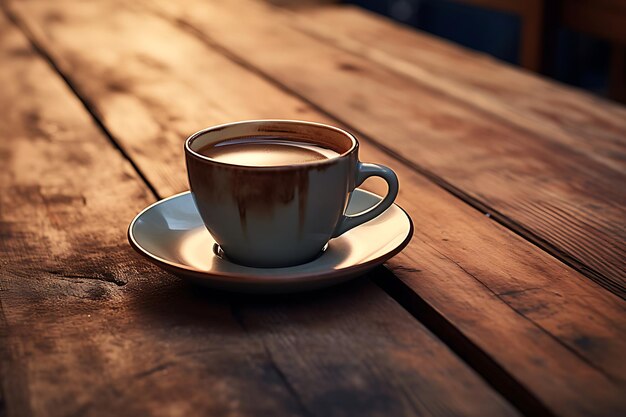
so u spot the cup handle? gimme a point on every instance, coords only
(364, 171)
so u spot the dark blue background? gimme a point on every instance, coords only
(578, 60)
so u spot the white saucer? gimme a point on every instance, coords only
(170, 233)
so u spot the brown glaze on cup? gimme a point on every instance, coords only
(254, 190)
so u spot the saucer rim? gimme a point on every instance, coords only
(279, 278)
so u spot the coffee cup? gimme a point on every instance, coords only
(273, 193)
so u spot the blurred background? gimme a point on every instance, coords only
(578, 42)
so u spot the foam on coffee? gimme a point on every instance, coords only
(266, 151)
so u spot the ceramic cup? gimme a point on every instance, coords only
(280, 216)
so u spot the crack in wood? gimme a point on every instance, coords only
(158, 368)
(403, 268)
(108, 278)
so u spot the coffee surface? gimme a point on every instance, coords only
(266, 151)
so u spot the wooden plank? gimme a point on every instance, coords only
(540, 106)
(562, 197)
(89, 328)
(529, 316)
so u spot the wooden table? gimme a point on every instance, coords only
(508, 301)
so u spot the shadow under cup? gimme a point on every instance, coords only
(273, 216)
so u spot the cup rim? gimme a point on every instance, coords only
(354, 144)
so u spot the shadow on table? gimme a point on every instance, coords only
(181, 303)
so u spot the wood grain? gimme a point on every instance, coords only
(88, 328)
(528, 315)
(540, 106)
(563, 197)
